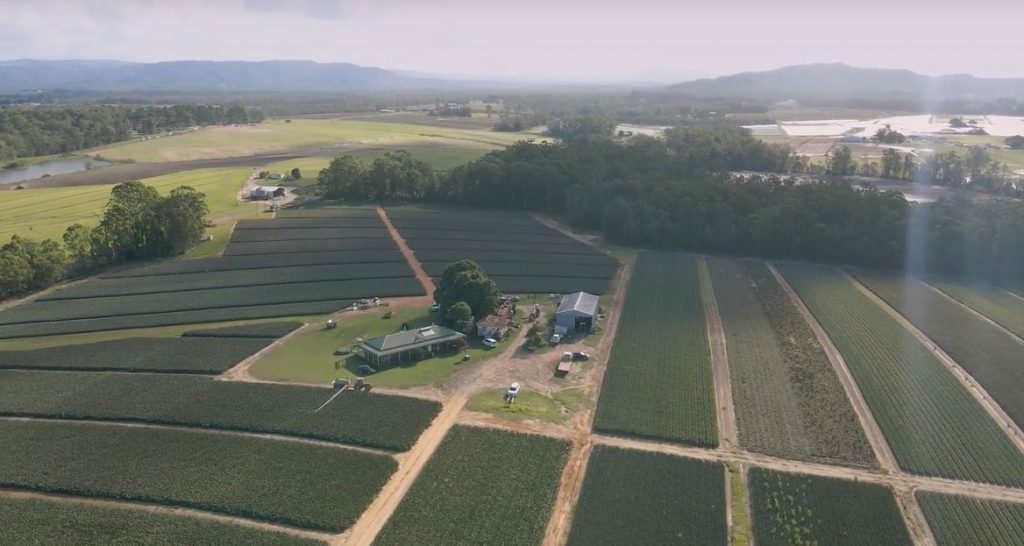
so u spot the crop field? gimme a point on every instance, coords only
(272, 330)
(273, 248)
(39, 522)
(278, 136)
(151, 320)
(994, 302)
(789, 402)
(371, 420)
(46, 212)
(658, 383)
(261, 261)
(522, 255)
(636, 497)
(963, 520)
(933, 425)
(275, 234)
(482, 486)
(799, 509)
(305, 485)
(197, 355)
(994, 359)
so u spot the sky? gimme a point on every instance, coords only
(577, 41)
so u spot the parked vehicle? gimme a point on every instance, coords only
(579, 355)
(490, 342)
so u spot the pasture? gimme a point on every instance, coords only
(658, 383)
(300, 134)
(637, 497)
(933, 425)
(789, 402)
(482, 486)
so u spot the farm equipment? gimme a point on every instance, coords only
(511, 393)
(359, 384)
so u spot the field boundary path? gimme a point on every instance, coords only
(917, 524)
(12, 493)
(407, 253)
(994, 410)
(725, 410)
(883, 453)
(981, 316)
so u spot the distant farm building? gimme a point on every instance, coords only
(394, 348)
(576, 313)
(263, 193)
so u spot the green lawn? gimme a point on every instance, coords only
(275, 136)
(46, 212)
(308, 356)
(529, 405)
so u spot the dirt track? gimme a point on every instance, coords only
(410, 258)
(726, 412)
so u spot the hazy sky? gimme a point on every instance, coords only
(575, 40)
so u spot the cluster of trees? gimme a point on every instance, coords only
(1015, 142)
(452, 110)
(586, 122)
(515, 123)
(465, 291)
(886, 135)
(137, 223)
(27, 132)
(395, 175)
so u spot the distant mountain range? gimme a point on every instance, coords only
(839, 82)
(239, 76)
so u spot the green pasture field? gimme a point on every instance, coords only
(933, 425)
(46, 212)
(994, 359)
(799, 509)
(955, 521)
(308, 356)
(279, 136)
(482, 486)
(636, 497)
(372, 420)
(529, 406)
(310, 486)
(38, 522)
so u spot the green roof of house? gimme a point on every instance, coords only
(411, 339)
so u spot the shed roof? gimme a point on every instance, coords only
(581, 302)
(493, 321)
(411, 339)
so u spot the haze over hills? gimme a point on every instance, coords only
(824, 82)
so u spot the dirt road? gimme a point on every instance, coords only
(410, 258)
(880, 446)
(726, 412)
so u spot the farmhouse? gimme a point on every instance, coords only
(393, 348)
(493, 326)
(576, 313)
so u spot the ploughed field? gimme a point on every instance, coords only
(932, 423)
(636, 497)
(789, 401)
(994, 358)
(521, 254)
(304, 263)
(658, 383)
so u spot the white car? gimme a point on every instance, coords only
(490, 342)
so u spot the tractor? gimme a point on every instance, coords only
(359, 384)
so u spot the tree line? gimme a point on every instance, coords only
(677, 192)
(137, 223)
(29, 132)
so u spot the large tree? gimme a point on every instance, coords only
(465, 281)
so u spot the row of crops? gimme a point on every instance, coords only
(636, 497)
(793, 509)
(1002, 306)
(371, 420)
(519, 253)
(994, 359)
(789, 402)
(931, 422)
(955, 521)
(658, 383)
(482, 486)
(311, 486)
(262, 261)
(35, 521)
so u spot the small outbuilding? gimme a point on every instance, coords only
(493, 326)
(394, 348)
(576, 313)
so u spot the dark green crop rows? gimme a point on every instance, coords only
(216, 298)
(328, 212)
(502, 256)
(957, 521)
(635, 497)
(171, 354)
(271, 234)
(261, 261)
(319, 245)
(272, 330)
(482, 486)
(371, 420)
(282, 279)
(798, 509)
(123, 322)
(556, 247)
(993, 358)
(311, 223)
(554, 283)
(293, 483)
(36, 522)
(658, 383)
(604, 270)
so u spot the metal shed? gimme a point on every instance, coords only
(576, 313)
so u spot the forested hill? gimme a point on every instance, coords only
(841, 82)
(24, 75)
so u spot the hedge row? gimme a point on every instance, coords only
(305, 485)
(167, 354)
(372, 420)
(261, 261)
